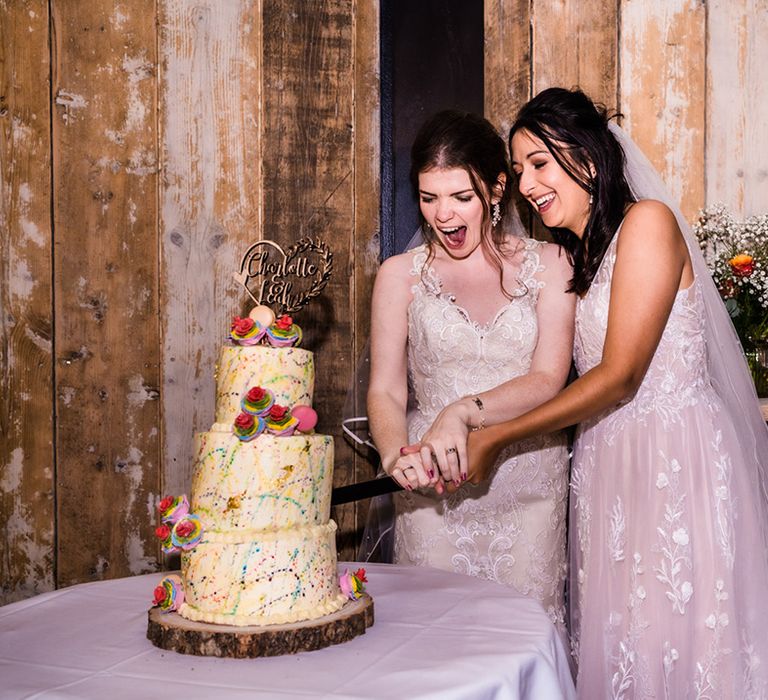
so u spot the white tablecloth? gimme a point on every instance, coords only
(436, 635)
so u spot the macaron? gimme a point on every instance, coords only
(262, 315)
(307, 417)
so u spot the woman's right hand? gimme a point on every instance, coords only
(409, 471)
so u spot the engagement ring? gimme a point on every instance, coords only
(450, 449)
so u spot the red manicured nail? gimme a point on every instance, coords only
(402, 450)
(431, 473)
(463, 477)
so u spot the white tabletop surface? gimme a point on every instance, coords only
(436, 635)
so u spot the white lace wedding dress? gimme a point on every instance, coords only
(668, 595)
(510, 529)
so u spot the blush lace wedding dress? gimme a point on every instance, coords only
(510, 529)
(668, 575)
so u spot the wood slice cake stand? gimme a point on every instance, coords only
(175, 633)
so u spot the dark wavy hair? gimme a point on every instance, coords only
(575, 130)
(454, 139)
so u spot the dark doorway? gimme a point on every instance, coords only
(431, 59)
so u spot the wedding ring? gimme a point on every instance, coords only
(450, 449)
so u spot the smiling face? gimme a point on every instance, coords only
(451, 207)
(559, 200)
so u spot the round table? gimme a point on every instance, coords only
(436, 635)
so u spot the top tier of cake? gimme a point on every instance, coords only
(289, 373)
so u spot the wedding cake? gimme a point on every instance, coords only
(257, 545)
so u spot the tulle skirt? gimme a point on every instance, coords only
(669, 571)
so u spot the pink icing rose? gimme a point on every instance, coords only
(165, 504)
(277, 413)
(244, 421)
(185, 528)
(160, 595)
(284, 322)
(255, 394)
(242, 326)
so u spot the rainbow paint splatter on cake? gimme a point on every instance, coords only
(267, 552)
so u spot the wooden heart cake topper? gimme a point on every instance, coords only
(285, 280)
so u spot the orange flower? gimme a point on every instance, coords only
(742, 265)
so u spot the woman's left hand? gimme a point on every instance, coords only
(445, 443)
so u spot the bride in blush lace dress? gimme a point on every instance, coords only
(669, 521)
(479, 323)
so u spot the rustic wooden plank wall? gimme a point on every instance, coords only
(107, 374)
(737, 105)
(211, 202)
(176, 133)
(27, 507)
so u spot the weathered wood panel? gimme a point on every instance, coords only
(507, 70)
(663, 93)
(105, 282)
(308, 181)
(211, 202)
(507, 60)
(366, 198)
(575, 44)
(26, 389)
(737, 105)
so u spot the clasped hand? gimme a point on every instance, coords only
(447, 456)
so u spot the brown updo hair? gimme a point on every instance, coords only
(455, 139)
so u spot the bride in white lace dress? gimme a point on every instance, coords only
(480, 324)
(669, 522)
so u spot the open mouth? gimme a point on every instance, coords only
(543, 203)
(454, 237)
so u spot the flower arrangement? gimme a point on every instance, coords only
(737, 255)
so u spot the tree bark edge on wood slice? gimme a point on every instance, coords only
(172, 632)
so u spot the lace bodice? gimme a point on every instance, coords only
(450, 355)
(510, 529)
(677, 375)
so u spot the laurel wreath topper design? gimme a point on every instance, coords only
(285, 279)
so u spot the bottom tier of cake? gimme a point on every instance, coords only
(262, 578)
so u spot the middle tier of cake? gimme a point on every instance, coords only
(266, 484)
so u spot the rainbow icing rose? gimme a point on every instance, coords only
(246, 331)
(169, 594)
(247, 426)
(280, 421)
(187, 532)
(163, 533)
(257, 401)
(284, 332)
(352, 584)
(172, 508)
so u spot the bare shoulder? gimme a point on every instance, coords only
(650, 222)
(394, 280)
(396, 267)
(651, 248)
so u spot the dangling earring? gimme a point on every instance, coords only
(495, 215)
(591, 197)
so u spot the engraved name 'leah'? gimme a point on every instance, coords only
(286, 279)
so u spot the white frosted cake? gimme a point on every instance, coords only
(261, 548)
